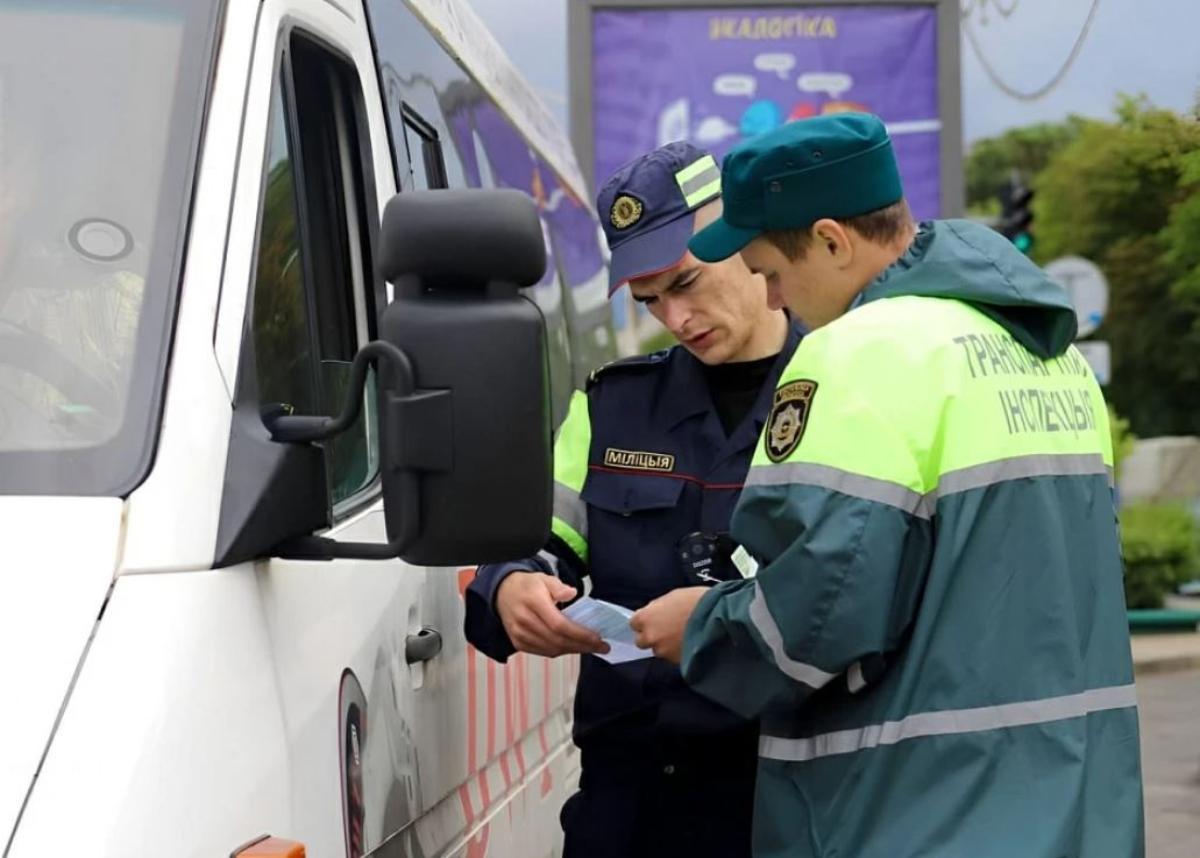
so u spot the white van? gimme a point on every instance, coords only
(206, 635)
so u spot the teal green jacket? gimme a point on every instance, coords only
(936, 638)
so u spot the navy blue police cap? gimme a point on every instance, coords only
(648, 209)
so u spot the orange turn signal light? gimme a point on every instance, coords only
(270, 847)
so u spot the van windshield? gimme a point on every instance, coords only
(100, 110)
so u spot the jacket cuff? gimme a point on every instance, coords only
(489, 578)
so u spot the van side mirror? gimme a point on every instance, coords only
(473, 482)
(463, 384)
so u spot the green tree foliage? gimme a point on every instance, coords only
(1125, 194)
(1182, 230)
(1027, 150)
(1115, 182)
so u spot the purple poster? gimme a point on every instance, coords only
(717, 76)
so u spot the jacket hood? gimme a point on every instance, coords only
(969, 262)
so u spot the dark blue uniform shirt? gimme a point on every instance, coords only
(635, 521)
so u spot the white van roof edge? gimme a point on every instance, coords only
(460, 31)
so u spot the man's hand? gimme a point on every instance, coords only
(527, 605)
(660, 624)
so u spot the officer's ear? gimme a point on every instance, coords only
(832, 239)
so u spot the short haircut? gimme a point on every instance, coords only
(882, 226)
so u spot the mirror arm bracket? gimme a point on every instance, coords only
(324, 548)
(291, 428)
(424, 427)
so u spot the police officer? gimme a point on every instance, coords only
(936, 639)
(648, 466)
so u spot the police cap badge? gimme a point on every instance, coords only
(626, 211)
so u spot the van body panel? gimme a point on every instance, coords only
(208, 709)
(174, 739)
(52, 589)
(213, 706)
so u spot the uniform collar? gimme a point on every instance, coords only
(685, 390)
(796, 332)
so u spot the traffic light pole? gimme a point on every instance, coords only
(1016, 216)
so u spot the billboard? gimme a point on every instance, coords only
(717, 74)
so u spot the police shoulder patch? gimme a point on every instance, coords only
(788, 418)
(635, 362)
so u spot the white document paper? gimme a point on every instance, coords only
(611, 622)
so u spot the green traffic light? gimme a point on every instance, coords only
(1023, 241)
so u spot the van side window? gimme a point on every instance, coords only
(424, 150)
(314, 292)
(281, 327)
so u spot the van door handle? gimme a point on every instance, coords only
(422, 646)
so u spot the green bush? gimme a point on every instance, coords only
(1159, 542)
(1122, 438)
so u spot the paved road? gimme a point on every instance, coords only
(1170, 724)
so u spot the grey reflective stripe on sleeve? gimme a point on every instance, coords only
(843, 482)
(952, 482)
(760, 615)
(570, 508)
(1018, 467)
(948, 723)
